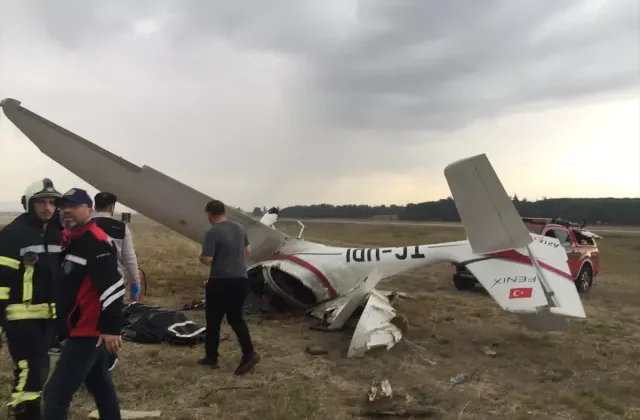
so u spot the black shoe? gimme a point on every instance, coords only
(205, 361)
(248, 364)
(29, 410)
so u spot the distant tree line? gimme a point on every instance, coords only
(620, 211)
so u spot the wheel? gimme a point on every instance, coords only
(463, 283)
(585, 279)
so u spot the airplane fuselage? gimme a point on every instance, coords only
(307, 273)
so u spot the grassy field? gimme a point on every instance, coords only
(589, 372)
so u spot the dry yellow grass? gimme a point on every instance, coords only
(5, 218)
(589, 372)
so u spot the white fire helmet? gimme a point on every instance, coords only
(40, 189)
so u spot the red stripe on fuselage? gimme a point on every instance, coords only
(323, 279)
(512, 255)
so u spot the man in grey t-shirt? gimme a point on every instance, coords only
(225, 249)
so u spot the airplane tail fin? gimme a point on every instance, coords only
(525, 273)
(490, 219)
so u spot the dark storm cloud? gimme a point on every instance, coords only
(72, 23)
(428, 67)
(418, 64)
(403, 65)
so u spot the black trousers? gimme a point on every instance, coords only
(226, 297)
(28, 342)
(81, 361)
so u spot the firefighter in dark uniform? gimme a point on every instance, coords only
(29, 260)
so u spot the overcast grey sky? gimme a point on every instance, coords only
(297, 102)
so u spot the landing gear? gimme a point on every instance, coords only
(462, 279)
(463, 283)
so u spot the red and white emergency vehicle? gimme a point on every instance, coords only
(579, 243)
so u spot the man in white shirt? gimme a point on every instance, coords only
(120, 234)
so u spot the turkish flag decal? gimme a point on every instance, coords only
(520, 292)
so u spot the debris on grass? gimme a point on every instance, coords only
(460, 378)
(415, 348)
(406, 412)
(316, 350)
(380, 391)
(488, 351)
(383, 401)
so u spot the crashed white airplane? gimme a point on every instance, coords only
(330, 282)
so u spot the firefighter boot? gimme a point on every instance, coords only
(28, 410)
(15, 411)
(31, 411)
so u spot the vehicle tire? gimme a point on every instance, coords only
(463, 283)
(585, 279)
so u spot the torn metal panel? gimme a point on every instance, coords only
(338, 311)
(380, 391)
(328, 310)
(374, 328)
(302, 274)
(389, 293)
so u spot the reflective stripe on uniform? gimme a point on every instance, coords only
(27, 283)
(37, 249)
(9, 262)
(76, 259)
(19, 395)
(54, 248)
(4, 293)
(111, 294)
(20, 311)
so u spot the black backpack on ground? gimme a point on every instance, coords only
(154, 325)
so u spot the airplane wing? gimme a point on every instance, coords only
(147, 191)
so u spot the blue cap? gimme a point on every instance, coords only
(77, 196)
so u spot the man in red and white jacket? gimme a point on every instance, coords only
(90, 304)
